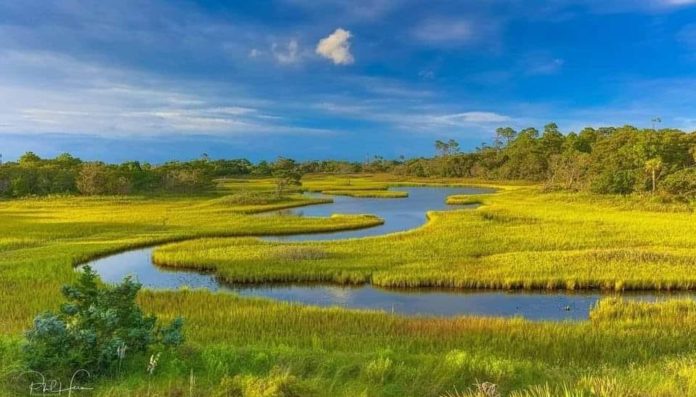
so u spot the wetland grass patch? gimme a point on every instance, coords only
(518, 239)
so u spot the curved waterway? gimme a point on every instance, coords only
(399, 214)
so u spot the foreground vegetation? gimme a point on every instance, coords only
(255, 347)
(248, 347)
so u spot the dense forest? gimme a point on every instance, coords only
(605, 160)
(610, 160)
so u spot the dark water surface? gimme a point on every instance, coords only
(399, 214)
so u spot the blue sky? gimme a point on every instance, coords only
(156, 80)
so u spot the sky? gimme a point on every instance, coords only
(118, 80)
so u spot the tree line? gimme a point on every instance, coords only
(610, 160)
(32, 175)
(613, 160)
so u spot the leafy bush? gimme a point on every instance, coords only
(614, 181)
(681, 183)
(97, 328)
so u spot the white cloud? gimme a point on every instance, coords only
(287, 54)
(336, 47)
(254, 53)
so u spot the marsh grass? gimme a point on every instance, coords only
(519, 237)
(299, 253)
(250, 198)
(368, 193)
(464, 199)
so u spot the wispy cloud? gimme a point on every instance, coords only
(471, 117)
(286, 53)
(623, 6)
(417, 118)
(445, 31)
(78, 97)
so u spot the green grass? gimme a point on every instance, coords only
(256, 347)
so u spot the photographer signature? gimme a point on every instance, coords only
(42, 386)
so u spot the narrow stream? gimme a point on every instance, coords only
(399, 215)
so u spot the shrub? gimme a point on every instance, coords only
(186, 180)
(98, 327)
(614, 181)
(92, 179)
(681, 183)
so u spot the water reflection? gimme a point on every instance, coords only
(531, 305)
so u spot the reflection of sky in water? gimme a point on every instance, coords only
(399, 214)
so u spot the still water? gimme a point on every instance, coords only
(531, 305)
(399, 214)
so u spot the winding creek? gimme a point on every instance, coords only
(399, 214)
